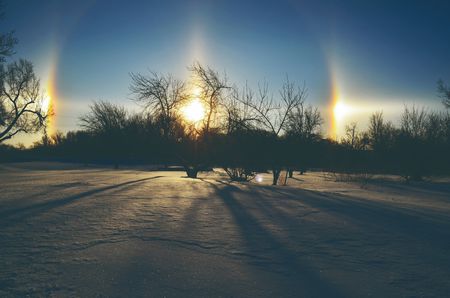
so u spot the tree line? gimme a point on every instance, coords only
(246, 131)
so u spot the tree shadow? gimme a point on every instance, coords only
(272, 253)
(298, 179)
(424, 187)
(16, 215)
(373, 224)
(425, 226)
(428, 225)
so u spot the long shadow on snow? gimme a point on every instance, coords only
(406, 220)
(13, 216)
(381, 218)
(299, 274)
(424, 187)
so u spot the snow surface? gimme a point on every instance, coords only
(71, 230)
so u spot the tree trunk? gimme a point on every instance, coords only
(291, 173)
(276, 174)
(286, 177)
(191, 172)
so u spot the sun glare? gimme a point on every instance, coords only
(340, 110)
(46, 103)
(194, 111)
(47, 108)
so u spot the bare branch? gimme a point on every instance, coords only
(271, 115)
(20, 100)
(161, 95)
(212, 87)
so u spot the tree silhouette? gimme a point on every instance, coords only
(303, 129)
(198, 141)
(274, 117)
(162, 96)
(304, 122)
(239, 114)
(21, 100)
(20, 96)
(410, 143)
(381, 133)
(414, 122)
(107, 122)
(212, 87)
(104, 117)
(355, 139)
(240, 133)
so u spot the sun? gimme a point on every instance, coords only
(340, 110)
(194, 111)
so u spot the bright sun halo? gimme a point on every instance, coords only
(46, 103)
(340, 110)
(194, 111)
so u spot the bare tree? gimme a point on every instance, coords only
(21, 100)
(303, 126)
(437, 127)
(161, 95)
(304, 122)
(351, 135)
(55, 139)
(212, 87)
(239, 124)
(274, 115)
(106, 122)
(380, 132)
(444, 93)
(104, 117)
(412, 143)
(239, 114)
(354, 138)
(414, 122)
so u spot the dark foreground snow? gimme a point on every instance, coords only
(73, 231)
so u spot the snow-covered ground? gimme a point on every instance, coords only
(68, 230)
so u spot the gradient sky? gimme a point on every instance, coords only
(373, 55)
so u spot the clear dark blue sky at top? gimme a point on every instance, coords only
(381, 51)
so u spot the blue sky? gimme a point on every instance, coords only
(381, 55)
